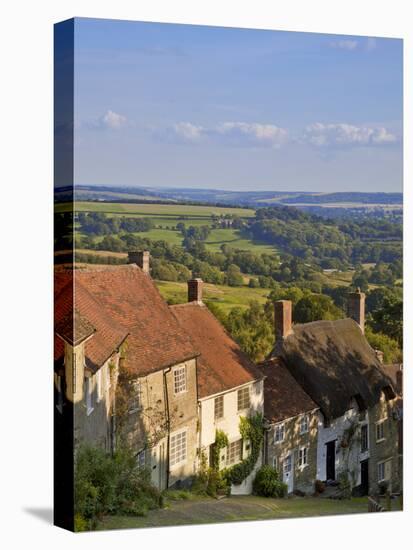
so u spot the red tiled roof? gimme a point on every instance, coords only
(129, 299)
(82, 315)
(283, 396)
(222, 365)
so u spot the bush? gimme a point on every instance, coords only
(319, 486)
(106, 484)
(267, 483)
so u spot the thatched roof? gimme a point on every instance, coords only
(334, 363)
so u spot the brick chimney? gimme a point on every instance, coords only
(195, 290)
(356, 307)
(141, 258)
(282, 320)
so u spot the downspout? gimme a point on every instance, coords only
(165, 385)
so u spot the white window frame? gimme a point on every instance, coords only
(59, 404)
(99, 392)
(89, 395)
(304, 424)
(238, 458)
(182, 457)
(279, 429)
(302, 457)
(364, 427)
(221, 398)
(136, 399)
(242, 391)
(380, 424)
(379, 466)
(180, 380)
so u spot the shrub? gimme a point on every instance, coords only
(267, 483)
(106, 484)
(319, 486)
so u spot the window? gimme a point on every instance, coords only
(178, 448)
(135, 398)
(180, 380)
(219, 407)
(89, 395)
(275, 463)
(364, 435)
(140, 459)
(287, 464)
(279, 433)
(59, 403)
(304, 424)
(303, 457)
(380, 430)
(381, 472)
(243, 398)
(99, 384)
(234, 452)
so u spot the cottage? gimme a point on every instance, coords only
(334, 364)
(229, 385)
(126, 325)
(292, 419)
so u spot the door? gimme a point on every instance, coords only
(288, 472)
(331, 461)
(364, 477)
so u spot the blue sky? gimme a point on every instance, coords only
(191, 106)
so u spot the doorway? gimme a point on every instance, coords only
(331, 461)
(364, 477)
(288, 472)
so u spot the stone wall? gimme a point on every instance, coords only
(276, 452)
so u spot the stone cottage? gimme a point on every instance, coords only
(229, 385)
(291, 434)
(152, 364)
(334, 364)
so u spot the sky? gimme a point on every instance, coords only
(166, 105)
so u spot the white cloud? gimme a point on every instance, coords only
(188, 131)
(253, 134)
(236, 134)
(346, 135)
(113, 120)
(345, 44)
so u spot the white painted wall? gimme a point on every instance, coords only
(345, 457)
(230, 423)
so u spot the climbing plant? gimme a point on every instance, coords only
(221, 441)
(251, 429)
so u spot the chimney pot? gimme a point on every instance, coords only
(356, 307)
(282, 320)
(195, 290)
(141, 258)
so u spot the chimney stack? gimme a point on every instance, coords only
(282, 320)
(356, 307)
(141, 258)
(195, 290)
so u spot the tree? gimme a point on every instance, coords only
(390, 348)
(316, 307)
(234, 276)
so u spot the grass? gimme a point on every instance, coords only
(227, 297)
(231, 237)
(201, 510)
(174, 210)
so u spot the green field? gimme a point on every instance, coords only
(231, 237)
(173, 210)
(227, 297)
